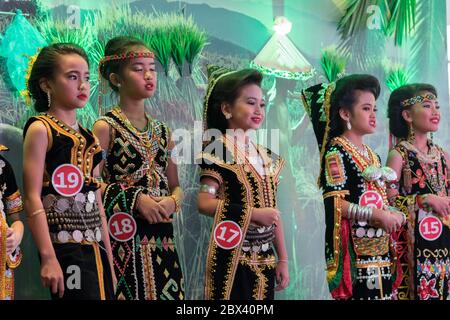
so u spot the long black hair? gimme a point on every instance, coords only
(228, 90)
(397, 124)
(45, 66)
(344, 97)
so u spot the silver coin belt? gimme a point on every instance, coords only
(258, 239)
(362, 230)
(73, 219)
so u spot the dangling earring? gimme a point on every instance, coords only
(411, 134)
(431, 136)
(349, 125)
(228, 116)
(49, 99)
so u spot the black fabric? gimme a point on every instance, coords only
(83, 256)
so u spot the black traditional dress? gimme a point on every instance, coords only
(10, 203)
(358, 255)
(147, 265)
(74, 221)
(424, 242)
(247, 271)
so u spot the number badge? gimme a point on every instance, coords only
(430, 228)
(67, 180)
(227, 235)
(371, 199)
(122, 226)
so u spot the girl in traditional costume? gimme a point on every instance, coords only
(421, 192)
(239, 180)
(62, 196)
(359, 251)
(141, 189)
(10, 235)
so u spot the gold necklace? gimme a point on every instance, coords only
(363, 156)
(143, 136)
(363, 162)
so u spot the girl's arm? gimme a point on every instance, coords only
(282, 273)
(35, 147)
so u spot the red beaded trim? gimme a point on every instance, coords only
(129, 55)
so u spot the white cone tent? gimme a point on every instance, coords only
(280, 57)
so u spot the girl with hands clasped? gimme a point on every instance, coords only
(141, 189)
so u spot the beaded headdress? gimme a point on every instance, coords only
(418, 99)
(215, 74)
(317, 102)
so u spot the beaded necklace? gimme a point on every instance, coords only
(144, 137)
(363, 162)
(145, 147)
(431, 164)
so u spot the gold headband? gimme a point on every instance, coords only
(418, 99)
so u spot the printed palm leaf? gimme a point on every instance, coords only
(362, 32)
(401, 20)
(354, 18)
(427, 48)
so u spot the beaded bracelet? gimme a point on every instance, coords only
(177, 203)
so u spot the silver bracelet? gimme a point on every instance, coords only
(364, 213)
(208, 189)
(354, 211)
(349, 211)
(369, 217)
(360, 214)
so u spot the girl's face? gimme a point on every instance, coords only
(138, 77)
(248, 110)
(424, 116)
(69, 87)
(363, 118)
